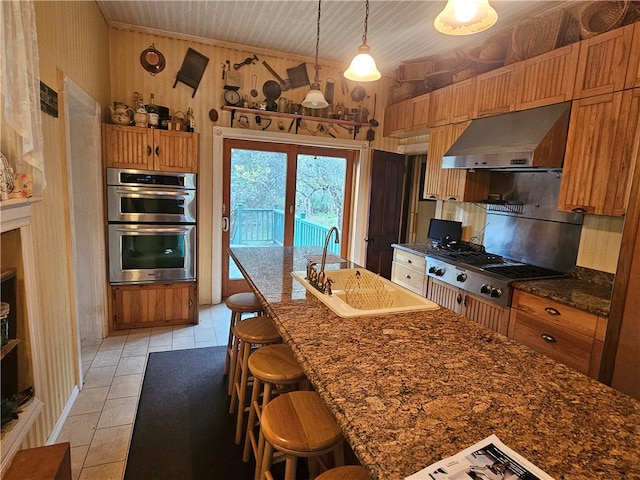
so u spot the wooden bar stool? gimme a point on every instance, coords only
(275, 371)
(238, 303)
(298, 425)
(348, 472)
(251, 331)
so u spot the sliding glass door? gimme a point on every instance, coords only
(281, 195)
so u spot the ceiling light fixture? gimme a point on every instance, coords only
(363, 66)
(464, 17)
(315, 99)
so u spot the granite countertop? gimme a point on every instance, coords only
(410, 389)
(584, 289)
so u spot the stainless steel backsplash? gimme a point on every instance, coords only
(539, 235)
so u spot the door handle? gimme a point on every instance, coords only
(369, 239)
(225, 224)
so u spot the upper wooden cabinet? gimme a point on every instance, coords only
(440, 107)
(396, 119)
(149, 149)
(495, 92)
(451, 184)
(452, 104)
(546, 79)
(419, 114)
(633, 72)
(602, 151)
(604, 62)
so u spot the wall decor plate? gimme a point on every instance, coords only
(152, 60)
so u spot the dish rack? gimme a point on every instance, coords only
(367, 292)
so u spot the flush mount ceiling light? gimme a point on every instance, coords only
(363, 66)
(464, 17)
(315, 98)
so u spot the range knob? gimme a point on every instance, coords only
(496, 292)
(486, 288)
(439, 272)
(461, 277)
(432, 269)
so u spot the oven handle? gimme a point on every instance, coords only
(152, 229)
(154, 193)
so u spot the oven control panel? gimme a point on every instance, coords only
(470, 279)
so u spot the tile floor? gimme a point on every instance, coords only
(100, 423)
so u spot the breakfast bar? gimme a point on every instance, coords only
(409, 389)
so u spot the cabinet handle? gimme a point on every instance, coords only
(409, 261)
(453, 198)
(579, 210)
(407, 275)
(190, 303)
(459, 299)
(148, 150)
(548, 338)
(157, 151)
(552, 311)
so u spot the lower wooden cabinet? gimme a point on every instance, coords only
(486, 313)
(568, 335)
(154, 305)
(409, 270)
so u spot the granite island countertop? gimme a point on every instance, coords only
(410, 389)
(584, 289)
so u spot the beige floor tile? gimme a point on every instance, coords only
(160, 348)
(106, 358)
(181, 343)
(139, 334)
(125, 386)
(78, 430)
(109, 445)
(205, 334)
(78, 455)
(160, 339)
(109, 471)
(90, 400)
(136, 348)
(99, 376)
(118, 411)
(182, 331)
(113, 342)
(131, 365)
(209, 343)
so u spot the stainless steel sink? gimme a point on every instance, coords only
(358, 292)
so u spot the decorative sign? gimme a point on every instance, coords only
(48, 100)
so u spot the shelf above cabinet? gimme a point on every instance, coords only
(297, 118)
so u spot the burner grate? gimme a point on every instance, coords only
(472, 257)
(521, 272)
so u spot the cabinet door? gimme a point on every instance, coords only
(463, 96)
(440, 106)
(603, 62)
(602, 150)
(494, 92)
(175, 151)
(633, 72)
(488, 314)
(444, 295)
(154, 305)
(546, 79)
(395, 119)
(419, 113)
(439, 143)
(127, 147)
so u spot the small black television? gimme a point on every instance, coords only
(444, 231)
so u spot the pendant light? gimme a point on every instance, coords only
(464, 17)
(363, 66)
(315, 99)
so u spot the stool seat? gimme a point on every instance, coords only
(257, 330)
(298, 423)
(275, 364)
(243, 302)
(348, 472)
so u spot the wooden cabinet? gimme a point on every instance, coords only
(565, 334)
(154, 305)
(602, 150)
(451, 184)
(486, 313)
(603, 62)
(495, 92)
(409, 270)
(149, 149)
(419, 114)
(633, 71)
(396, 119)
(546, 79)
(463, 96)
(439, 107)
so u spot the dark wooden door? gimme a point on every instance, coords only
(385, 209)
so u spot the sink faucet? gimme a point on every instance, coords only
(318, 279)
(321, 274)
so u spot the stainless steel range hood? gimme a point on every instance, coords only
(534, 138)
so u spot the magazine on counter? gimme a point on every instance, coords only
(489, 459)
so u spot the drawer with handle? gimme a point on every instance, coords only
(410, 260)
(408, 278)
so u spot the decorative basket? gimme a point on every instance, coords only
(600, 17)
(484, 58)
(400, 91)
(414, 71)
(542, 34)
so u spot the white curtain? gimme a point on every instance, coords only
(20, 84)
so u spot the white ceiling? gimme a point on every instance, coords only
(398, 30)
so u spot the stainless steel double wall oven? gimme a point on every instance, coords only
(152, 226)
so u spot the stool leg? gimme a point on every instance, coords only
(236, 369)
(232, 324)
(267, 458)
(266, 398)
(290, 467)
(242, 387)
(234, 360)
(255, 393)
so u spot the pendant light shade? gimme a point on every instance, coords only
(363, 66)
(464, 17)
(315, 98)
